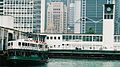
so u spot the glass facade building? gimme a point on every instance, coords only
(117, 16)
(1, 7)
(94, 15)
(37, 16)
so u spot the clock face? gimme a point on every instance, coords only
(109, 9)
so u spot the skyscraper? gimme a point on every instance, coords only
(37, 16)
(91, 15)
(27, 14)
(77, 15)
(56, 17)
(117, 17)
(1, 7)
(22, 11)
(70, 26)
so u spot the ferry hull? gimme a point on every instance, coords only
(25, 60)
(35, 57)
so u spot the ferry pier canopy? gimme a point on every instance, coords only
(6, 22)
(8, 33)
(105, 41)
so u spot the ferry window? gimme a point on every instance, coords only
(18, 53)
(19, 43)
(34, 45)
(40, 46)
(8, 44)
(50, 46)
(59, 38)
(62, 44)
(46, 46)
(82, 47)
(28, 44)
(67, 44)
(55, 38)
(54, 45)
(51, 37)
(11, 53)
(47, 37)
(93, 47)
(90, 47)
(23, 44)
(58, 45)
(11, 43)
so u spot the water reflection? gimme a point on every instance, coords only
(82, 63)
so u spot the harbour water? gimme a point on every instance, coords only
(79, 63)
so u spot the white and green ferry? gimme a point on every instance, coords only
(27, 51)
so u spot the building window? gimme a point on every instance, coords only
(90, 47)
(73, 37)
(58, 45)
(54, 46)
(51, 37)
(19, 43)
(55, 38)
(59, 38)
(11, 43)
(8, 44)
(111, 16)
(50, 46)
(23, 44)
(63, 37)
(47, 37)
(105, 17)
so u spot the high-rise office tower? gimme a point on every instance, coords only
(91, 16)
(70, 26)
(43, 15)
(37, 16)
(1, 7)
(56, 17)
(117, 17)
(44, 7)
(77, 16)
(22, 11)
(27, 14)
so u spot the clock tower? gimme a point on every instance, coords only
(108, 26)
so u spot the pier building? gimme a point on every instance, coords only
(105, 41)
